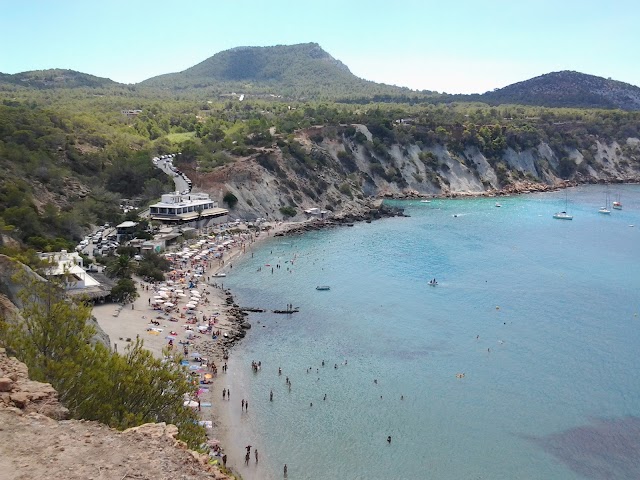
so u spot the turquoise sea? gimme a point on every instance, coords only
(542, 317)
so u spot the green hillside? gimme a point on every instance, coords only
(300, 71)
(568, 89)
(54, 78)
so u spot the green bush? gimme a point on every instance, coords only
(288, 211)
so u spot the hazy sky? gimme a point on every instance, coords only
(453, 46)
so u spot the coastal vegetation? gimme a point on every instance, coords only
(121, 390)
(71, 159)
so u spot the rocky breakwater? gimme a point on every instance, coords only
(232, 331)
(352, 213)
(36, 443)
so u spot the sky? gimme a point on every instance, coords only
(451, 46)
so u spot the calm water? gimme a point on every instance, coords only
(542, 316)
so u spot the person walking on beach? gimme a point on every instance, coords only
(256, 454)
(246, 406)
(243, 404)
(246, 458)
(224, 393)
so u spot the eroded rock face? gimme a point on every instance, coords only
(29, 396)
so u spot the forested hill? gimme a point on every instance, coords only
(568, 89)
(299, 71)
(53, 78)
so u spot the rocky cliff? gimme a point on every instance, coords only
(337, 170)
(36, 441)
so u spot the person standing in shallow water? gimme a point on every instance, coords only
(285, 470)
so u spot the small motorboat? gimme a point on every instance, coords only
(425, 201)
(498, 205)
(323, 287)
(433, 282)
(219, 275)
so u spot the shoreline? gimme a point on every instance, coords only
(519, 188)
(125, 324)
(222, 418)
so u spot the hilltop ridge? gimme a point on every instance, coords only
(568, 89)
(306, 71)
(55, 78)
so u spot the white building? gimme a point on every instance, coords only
(69, 266)
(191, 208)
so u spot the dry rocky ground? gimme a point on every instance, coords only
(36, 441)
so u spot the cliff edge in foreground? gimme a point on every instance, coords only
(36, 443)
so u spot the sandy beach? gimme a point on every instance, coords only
(202, 334)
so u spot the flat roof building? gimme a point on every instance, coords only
(178, 209)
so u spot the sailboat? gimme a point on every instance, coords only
(617, 205)
(604, 209)
(564, 215)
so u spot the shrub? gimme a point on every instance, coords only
(288, 211)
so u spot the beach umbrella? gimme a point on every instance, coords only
(195, 293)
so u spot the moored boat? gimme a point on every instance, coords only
(323, 287)
(563, 216)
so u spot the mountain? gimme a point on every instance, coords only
(303, 70)
(568, 89)
(54, 78)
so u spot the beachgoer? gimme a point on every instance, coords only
(285, 470)
(224, 459)
(248, 447)
(243, 404)
(246, 458)
(325, 397)
(246, 406)
(256, 454)
(389, 439)
(279, 371)
(224, 393)
(271, 396)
